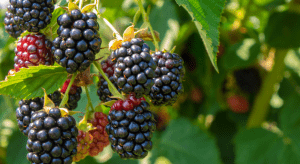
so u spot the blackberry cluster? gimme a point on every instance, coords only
(52, 138)
(10, 27)
(78, 42)
(134, 70)
(84, 139)
(100, 137)
(248, 79)
(103, 90)
(131, 126)
(32, 50)
(31, 15)
(168, 78)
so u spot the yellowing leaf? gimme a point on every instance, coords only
(88, 8)
(72, 6)
(109, 103)
(146, 35)
(114, 44)
(128, 33)
(47, 101)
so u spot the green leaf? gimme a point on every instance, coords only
(241, 55)
(282, 35)
(28, 83)
(112, 4)
(16, 151)
(50, 30)
(183, 142)
(88, 8)
(257, 146)
(207, 17)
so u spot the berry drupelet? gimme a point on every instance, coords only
(32, 50)
(134, 69)
(52, 138)
(78, 42)
(100, 137)
(168, 78)
(131, 126)
(10, 27)
(103, 90)
(84, 139)
(31, 15)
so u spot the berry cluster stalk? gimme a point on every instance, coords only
(261, 104)
(89, 98)
(66, 96)
(147, 21)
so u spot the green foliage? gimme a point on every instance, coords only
(290, 30)
(207, 16)
(183, 142)
(29, 83)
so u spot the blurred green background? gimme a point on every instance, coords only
(203, 125)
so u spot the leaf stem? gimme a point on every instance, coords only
(89, 98)
(66, 96)
(136, 16)
(108, 81)
(147, 21)
(119, 37)
(80, 4)
(261, 104)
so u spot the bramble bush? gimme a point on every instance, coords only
(152, 81)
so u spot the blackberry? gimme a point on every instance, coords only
(52, 138)
(11, 28)
(32, 50)
(131, 126)
(103, 90)
(134, 70)
(31, 15)
(100, 137)
(78, 42)
(84, 139)
(248, 79)
(168, 78)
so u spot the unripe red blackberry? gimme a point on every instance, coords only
(238, 104)
(10, 27)
(134, 70)
(33, 50)
(52, 138)
(103, 90)
(168, 78)
(131, 126)
(78, 42)
(31, 15)
(84, 139)
(100, 137)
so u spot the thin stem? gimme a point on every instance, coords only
(261, 104)
(66, 96)
(80, 4)
(115, 92)
(247, 12)
(113, 29)
(136, 16)
(146, 20)
(89, 98)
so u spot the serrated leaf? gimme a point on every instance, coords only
(72, 6)
(207, 17)
(28, 82)
(88, 8)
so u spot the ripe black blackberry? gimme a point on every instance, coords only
(168, 78)
(31, 15)
(78, 42)
(28, 107)
(10, 27)
(134, 69)
(130, 129)
(52, 138)
(103, 90)
(248, 79)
